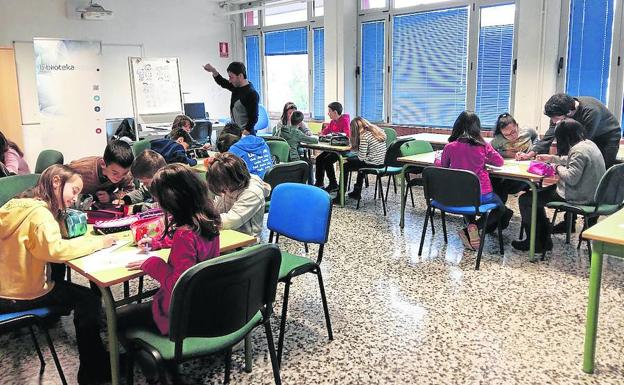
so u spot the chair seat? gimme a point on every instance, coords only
(464, 210)
(381, 170)
(584, 209)
(39, 312)
(292, 262)
(193, 346)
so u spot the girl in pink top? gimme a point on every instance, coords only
(468, 151)
(12, 157)
(339, 124)
(184, 197)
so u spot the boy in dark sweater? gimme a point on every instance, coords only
(174, 149)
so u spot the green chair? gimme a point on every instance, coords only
(293, 172)
(215, 304)
(139, 146)
(280, 150)
(46, 159)
(16, 184)
(608, 198)
(391, 136)
(414, 147)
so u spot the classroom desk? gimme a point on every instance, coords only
(511, 170)
(434, 139)
(338, 150)
(607, 237)
(104, 279)
(200, 167)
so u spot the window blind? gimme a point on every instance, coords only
(286, 42)
(372, 71)
(429, 67)
(252, 56)
(318, 81)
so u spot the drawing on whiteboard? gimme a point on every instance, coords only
(155, 85)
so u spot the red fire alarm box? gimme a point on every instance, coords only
(224, 50)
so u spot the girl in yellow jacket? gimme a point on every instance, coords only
(30, 238)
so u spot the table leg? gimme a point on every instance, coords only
(591, 324)
(402, 177)
(341, 180)
(533, 188)
(111, 323)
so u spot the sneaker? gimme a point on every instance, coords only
(473, 236)
(355, 194)
(463, 235)
(332, 187)
(562, 228)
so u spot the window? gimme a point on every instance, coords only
(429, 67)
(286, 53)
(411, 3)
(252, 56)
(319, 9)
(372, 71)
(318, 90)
(287, 13)
(494, 62)
(250, 18)
(589, 48)
(372, 4)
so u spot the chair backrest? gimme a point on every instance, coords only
(394, 151)
(300, 212)
(611, 187)
(219, 296)
(263, 119)
(16, 184)
(293, 172)
(451, 187)
(280, 150)
(46, 159)
(391, 136)
(139, 146)
(415, 147)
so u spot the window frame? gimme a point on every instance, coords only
(260, 30)
(474, 14)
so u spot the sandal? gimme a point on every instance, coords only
(473, 236)
(463, 235)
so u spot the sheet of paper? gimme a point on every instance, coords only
(112, 259)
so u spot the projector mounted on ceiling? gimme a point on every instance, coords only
(94, 12)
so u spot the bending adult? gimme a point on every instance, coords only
(244, 100)
(601, 126)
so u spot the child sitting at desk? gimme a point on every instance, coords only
(284, 121)
(467, 150)
(174, 149)
(251, 149)
(239, 195)
(580, 166)
(101, 176)
(339, 124)
(143, 168)
(294, 136)
(30, 236)
(196, 224)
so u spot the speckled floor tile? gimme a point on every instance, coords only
(400, 318)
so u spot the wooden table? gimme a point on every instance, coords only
(338, 150)
(607, 237)
(437, 139)
(104, 279)
(511, 170)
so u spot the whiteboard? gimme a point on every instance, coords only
(155, 86)
(116, 93)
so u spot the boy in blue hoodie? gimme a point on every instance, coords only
(253, 150)
(174, 149)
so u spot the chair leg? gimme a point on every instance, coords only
(126, 286)
(580, 239)
(140, 290)
(424, 230)
(375, 194)
(388, 186)
(412, 196)
(394, 184)
(280, 339)
(431, 217)
(37, 348)
(330, 333)
(55, 358)
(272, 354)
(383, 202)
(305, 247)
(228, 366)
(500, 238)
(482, 238)
(443, 214)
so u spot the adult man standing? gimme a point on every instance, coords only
(600, 125)
(244, 101)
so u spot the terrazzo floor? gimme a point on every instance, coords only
(400, 318)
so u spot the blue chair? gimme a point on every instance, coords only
(29, 318)
(263, 119)
(302, 213)
(456, 192)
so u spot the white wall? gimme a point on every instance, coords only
(189, 30)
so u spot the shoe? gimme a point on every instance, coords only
(473, 236)
(506, 218)
(331, 188)
(463, 235)
(355, 194)
(562, 227)
(99, 372)
(523, 245)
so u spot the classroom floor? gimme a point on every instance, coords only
(403, 319)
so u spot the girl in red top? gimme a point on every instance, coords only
(195, 238)
(325, 160)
